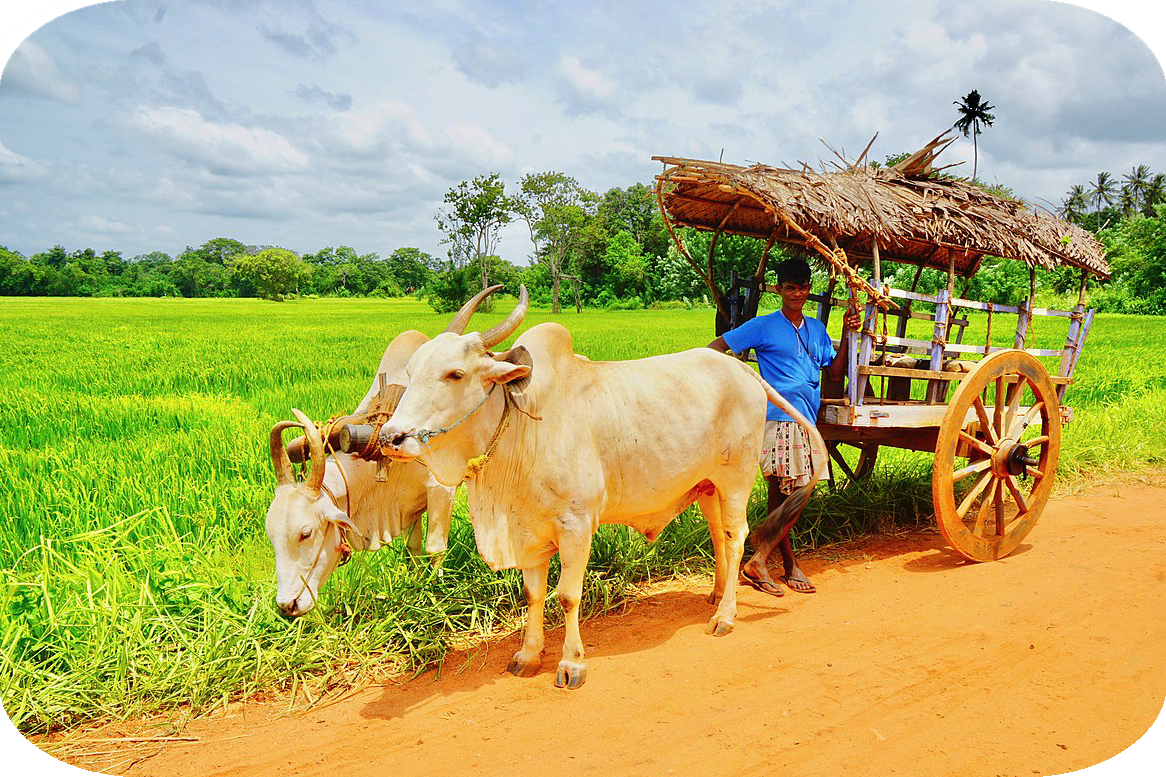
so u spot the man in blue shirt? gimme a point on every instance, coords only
(792, 349)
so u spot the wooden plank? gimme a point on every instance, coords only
(911, 295)
(923, 346)
(921, 374)
(908, 372)
(920, 439)
(890, 417)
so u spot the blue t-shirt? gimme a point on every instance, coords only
(790, 360)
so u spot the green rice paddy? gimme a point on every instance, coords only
(135, 575)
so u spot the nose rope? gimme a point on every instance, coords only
(425, 435)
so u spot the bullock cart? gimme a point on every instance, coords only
(991, 411)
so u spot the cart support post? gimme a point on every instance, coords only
(938, 341)
(850, 342)
(868, 330)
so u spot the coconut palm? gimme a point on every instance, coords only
(1074, 204)
(1136, 181)
(1102, 191)
(1154, 193)
(973, 112)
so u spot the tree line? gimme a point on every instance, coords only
(606, 250)
(1128, 215)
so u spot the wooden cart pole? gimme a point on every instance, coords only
(1024, 317)
(939, 338)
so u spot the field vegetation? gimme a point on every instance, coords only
(136, 575)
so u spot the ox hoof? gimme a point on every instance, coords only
(720, 626)
(520, 667)
(570, 675)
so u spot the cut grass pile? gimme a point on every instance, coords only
(136, 575)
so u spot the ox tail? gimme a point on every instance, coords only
(792, 506)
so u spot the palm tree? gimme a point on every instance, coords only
(973, 113)
(1154, 193)
(1074, 203)
(1102, 191)
(1136, 181)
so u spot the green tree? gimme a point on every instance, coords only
(629, 269)
(556, 209)
(1102, 192)
(411, 268)
(273, 272)
(474, 213)
(634, 209)
(973, 112)
(18, 276)
(1073, 206)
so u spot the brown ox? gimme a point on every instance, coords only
(343, 506)
(552, 445)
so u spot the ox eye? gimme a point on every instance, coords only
(455, 375)
(305, 534)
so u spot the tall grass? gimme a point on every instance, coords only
(134, 478)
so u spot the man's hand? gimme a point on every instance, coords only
(851, 321)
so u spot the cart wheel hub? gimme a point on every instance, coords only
(1018, 460)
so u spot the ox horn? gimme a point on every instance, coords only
(497, 334)
(316, 452)
(279, 458)
(457, 324)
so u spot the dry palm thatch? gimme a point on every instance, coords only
(909, 213)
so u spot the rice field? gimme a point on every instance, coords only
(136, 575)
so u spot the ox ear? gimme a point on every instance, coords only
(512, 368)
(516, 365)
(342, 520)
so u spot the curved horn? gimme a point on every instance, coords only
(497, 334)
(279, 458)
(457, 324)
(316, 448)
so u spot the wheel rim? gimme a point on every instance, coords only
(987, 494)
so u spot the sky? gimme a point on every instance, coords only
(143, 125)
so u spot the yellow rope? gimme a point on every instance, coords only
(475, 465)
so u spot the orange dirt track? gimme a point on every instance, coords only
(908, 661)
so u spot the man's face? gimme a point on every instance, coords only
(793, 295)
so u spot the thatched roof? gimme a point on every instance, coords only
(915, 217)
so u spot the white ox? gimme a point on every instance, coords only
(570, 444)
(341, 506)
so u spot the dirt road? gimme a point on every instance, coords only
(908, 661)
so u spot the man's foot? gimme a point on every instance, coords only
(798, 582)
(761, 583)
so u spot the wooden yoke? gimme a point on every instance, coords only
(356, 433)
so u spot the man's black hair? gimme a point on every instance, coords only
(793, 271)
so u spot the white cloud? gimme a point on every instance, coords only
(490, 64)
(229, 149)
(101, 225)
(582, 88)
(32, 71)
(473, 142)
(15, 168)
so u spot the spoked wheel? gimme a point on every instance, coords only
(996, 455)
(844, 472)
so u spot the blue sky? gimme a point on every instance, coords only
(142, 125)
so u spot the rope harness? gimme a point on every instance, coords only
(425, 435)
(475, 465)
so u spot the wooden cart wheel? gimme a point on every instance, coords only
(996, 455)
(842, 473)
